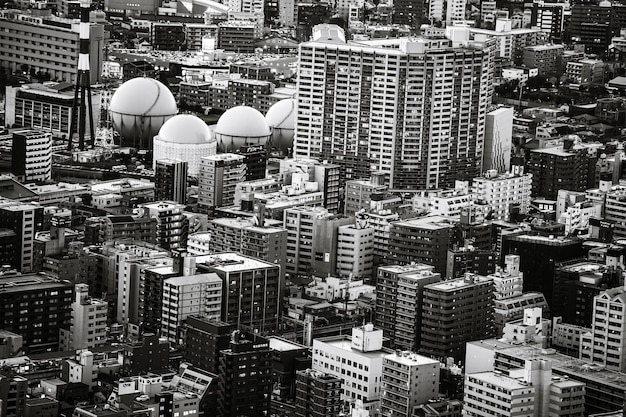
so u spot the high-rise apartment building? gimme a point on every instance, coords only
(455, 312)
(89, 319)
(265, 242)
(399, 291)
(36, 307)
(312, 239)
(245, 377)
(555, 169)
(25, 220)
(172, 224)
(219, 174)
(31, 155)
(359, 193)
(446, 11)
(151, 295)
(503, 191)
(170, 180)
(205, 338)
(416, 113)
(251, 289)
(318, 394)
(408, 380)
(188, 295)
(355, 250)
(423, 240)
(606, 343)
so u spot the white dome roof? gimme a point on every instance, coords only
(143, 97)
(282, 114)
(243, 122)
(186, 129)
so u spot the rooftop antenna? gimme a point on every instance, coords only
(83, 84)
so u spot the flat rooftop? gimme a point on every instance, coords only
(500, 380)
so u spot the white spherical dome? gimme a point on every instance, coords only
(138, 109)
(282, 114)
(242, 121)
(145, 97)
(281, 118)
(185, 128)
(241, 126)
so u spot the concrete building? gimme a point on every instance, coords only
(510, 309)
(336, 131)
(355, 250)
(219, 174)
(548, 59)
(245, 384)
(399, 297)
(606, 342)
(58, 55)
(498, 140)
(554, 169)
(531, 391)
(251, 289)
(13, 390)
(614, 206)
(31, 155)
(325, 174)
(532, 328)
(317, 394)
(36, 307)
(172, 225)
(266, 242)
(236, 36)
(421, 240)
(408, 380)
(358, 194)
(170, 180)
(585, 71)
(25, 220)
(603, 388)
(205, 338)
(89, 321)
(455, 312)
(44, 106)
(312, 240)
(510, 41)
(446, 11)
(189, 295)
(503, 191)
(357, 361)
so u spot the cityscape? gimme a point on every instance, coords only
(312, 208)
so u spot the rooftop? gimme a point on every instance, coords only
(561, 364)
(500, 380)
(411, 359)
(232, 262)
(344, 342)
(194, 279)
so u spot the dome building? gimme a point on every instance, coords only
(281, 119)
(187, 138)
(241, 126)
(138, 109)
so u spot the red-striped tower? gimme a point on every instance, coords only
(83, 84)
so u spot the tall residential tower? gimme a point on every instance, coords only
(415, 112)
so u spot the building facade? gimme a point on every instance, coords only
(370, 108)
